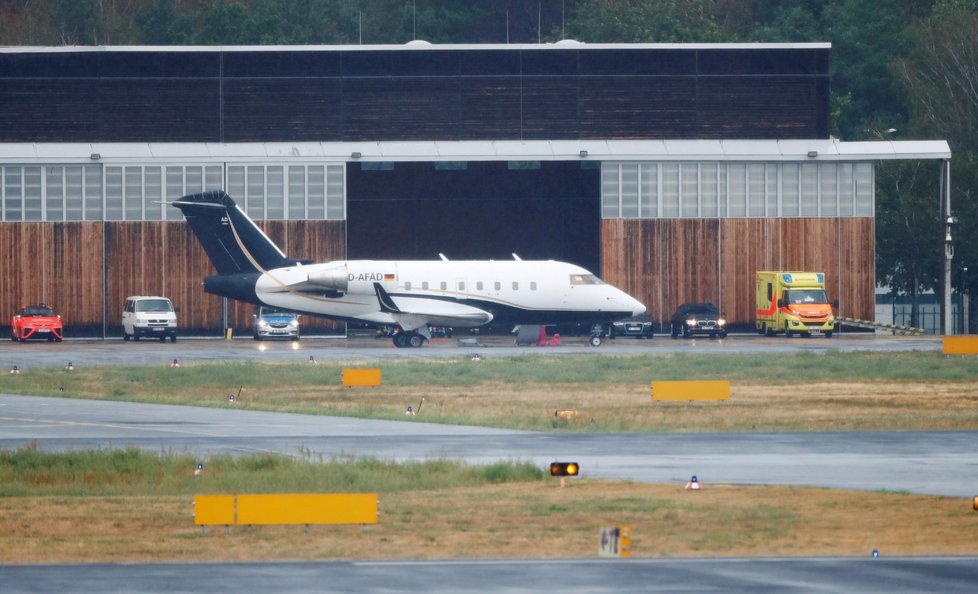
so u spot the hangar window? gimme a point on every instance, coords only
(522, 165)
(64, 191)
(809, 189)
(292, 192)
(863, 189)
(755, 189)
(153, 193)
(669, 197)
(736, 189)
(709, 184)
(789, 190)
(689, 189)
(828, 190)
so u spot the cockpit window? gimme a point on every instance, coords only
(585, 279)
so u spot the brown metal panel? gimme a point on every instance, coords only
(187, 265)
(857, 295)
(75, 277)
(666, 262)
(23, 267)
(746, 247)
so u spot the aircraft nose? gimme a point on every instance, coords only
(637, 308)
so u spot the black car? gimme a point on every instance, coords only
(697, 318)
(639, 327)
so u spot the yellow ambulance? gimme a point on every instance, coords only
(793, 303)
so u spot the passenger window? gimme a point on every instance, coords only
(478, 286)
(497, 285)
(533, 285)
(444, 286)
(424, 285)
(407, 285)
(461, 285)
(516, 286)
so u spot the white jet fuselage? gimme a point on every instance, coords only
(451, 293)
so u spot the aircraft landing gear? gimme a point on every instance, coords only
(598, 332)
(408, 340)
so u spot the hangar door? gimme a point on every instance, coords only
(475, 210)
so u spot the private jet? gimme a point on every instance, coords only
(408, 295)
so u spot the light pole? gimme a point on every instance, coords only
(949, 221)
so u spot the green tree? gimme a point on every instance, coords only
(638, 21)
(866, 36)
(224, 22)
(939, 79)
(164, 22)
(74, 21)
(909, 230)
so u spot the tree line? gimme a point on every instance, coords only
(900, 70)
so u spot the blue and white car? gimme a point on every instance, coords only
(272, 322)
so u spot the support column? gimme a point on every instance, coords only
(947, 324)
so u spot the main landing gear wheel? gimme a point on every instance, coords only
(408, 340)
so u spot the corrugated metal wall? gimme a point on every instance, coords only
(342, 94)
(666, 262)
(62, 264)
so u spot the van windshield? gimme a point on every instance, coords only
(800, 296)
(154, 305)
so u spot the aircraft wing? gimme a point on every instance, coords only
(414, 312)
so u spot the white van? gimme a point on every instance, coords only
(149, 316)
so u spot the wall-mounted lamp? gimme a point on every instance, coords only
(95, 156)
(583, 154)
(812, 154)
(355, 155)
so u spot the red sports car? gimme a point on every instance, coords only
(36, 321)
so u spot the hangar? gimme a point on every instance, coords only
(673, 171)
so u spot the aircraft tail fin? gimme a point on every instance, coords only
(232, 241)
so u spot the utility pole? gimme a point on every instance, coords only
(949, 221)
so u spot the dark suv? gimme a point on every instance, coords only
(697, 318)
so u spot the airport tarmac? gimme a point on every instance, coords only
(920, 462)
(366, 347)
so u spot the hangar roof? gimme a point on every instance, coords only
(411, 45)
(501, 150)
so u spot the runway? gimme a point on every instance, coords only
(916, 462)
(941, 463)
